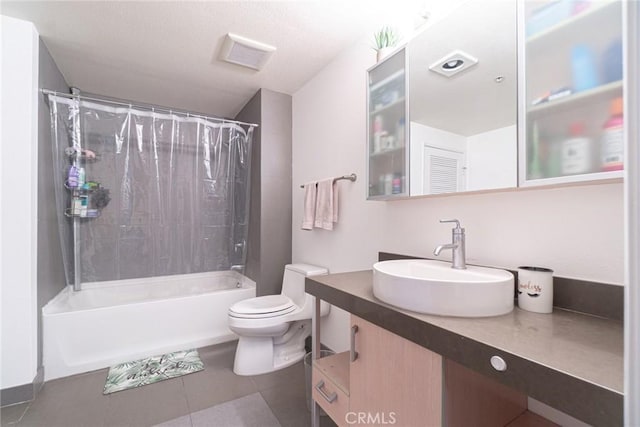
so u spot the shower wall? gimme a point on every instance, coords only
(269, 246)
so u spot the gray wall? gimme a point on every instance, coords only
(51, 279)
(251, 113)
(269, 246)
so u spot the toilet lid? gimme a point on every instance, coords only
(269, 305)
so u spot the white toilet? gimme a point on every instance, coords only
(273, 328)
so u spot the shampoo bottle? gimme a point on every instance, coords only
(612, 143)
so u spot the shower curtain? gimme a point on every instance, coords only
(178, 189)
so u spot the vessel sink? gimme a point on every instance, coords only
(433, 287)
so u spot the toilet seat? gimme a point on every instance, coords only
(263, 307)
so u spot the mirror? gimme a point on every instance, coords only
(463, 134)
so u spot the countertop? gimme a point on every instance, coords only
(571, 361)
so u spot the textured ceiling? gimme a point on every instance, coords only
(166, 52)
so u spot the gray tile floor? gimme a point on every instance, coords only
(78, 401)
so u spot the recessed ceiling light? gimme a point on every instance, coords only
(453, 63)
(245, 52)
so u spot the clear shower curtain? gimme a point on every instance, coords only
(178, 189)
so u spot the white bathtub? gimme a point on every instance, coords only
(113, 322)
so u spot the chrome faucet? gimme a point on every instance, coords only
(457, 246)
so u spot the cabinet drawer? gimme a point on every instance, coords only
(338, 408)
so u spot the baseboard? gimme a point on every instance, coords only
(22, 393)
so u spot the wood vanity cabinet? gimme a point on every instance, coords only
(394, 379)
(388, 380)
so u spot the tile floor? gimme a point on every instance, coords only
(78, 401)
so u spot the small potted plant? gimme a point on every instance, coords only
(385, 40)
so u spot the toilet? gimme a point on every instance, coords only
(272, 329)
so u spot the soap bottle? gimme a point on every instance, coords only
(612, 143)
(577, 154)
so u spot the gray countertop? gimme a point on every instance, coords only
(571, 361)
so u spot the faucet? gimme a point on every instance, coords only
(457, 246)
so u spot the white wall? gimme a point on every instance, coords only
(19, 160)
(490, 159)
(578, 231)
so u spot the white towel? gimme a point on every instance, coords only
(326, 208)
(309, 213)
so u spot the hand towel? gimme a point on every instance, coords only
(335, 200)
(325, 205)
(309, 213)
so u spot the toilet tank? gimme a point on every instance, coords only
(293, 280)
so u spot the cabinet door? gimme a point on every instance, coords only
(392, 380)
(570, 91)
(387, 129)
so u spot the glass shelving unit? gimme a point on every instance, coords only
(570, 89)
(387, 128)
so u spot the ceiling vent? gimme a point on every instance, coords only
(454, 63)
(246, 52)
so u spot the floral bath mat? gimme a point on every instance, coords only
(151, 370)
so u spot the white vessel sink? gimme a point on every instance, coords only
(433, 287)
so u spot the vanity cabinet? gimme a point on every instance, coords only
(388, 374)
(379, 379)
(570, 87)
(387, 380)
(387, 128)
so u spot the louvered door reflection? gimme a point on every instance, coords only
(443, 171)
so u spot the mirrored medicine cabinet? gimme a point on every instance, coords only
(443, 109)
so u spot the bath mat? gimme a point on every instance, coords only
(151, 370)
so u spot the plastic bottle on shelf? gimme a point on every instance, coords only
(583, 68)
(388, 183)
(84, 205)
(612, 62)
(72, 177)
(76, 206)
(396, 184)
(577, 151)
(377, 133)
(81, 177)
(612, 142)
(534, 170)
(400, 132)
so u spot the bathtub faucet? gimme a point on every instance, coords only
(238, 267)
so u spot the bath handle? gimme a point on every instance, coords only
(353, 354)
(328, 397)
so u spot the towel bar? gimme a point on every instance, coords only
(351, 178)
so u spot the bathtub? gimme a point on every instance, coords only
(113, 322)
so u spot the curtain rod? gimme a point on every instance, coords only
(145, 107)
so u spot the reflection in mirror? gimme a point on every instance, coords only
(462, 101)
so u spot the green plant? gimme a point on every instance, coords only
(385, 37)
